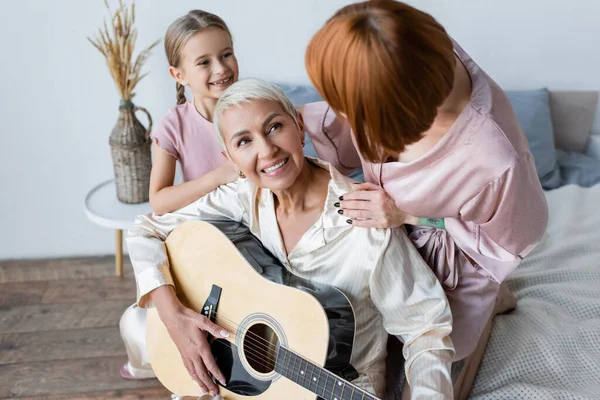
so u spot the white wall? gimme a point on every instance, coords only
(58, 103)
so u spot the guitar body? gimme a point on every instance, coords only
(262, 305)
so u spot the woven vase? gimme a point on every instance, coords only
(130, 146)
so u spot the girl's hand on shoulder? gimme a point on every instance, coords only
(227, 173)
(371, 207)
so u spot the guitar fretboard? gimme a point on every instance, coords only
(318, 380)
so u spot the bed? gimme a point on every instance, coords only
(549, 346)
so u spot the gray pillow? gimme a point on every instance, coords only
(578, 169)
(532, 108)
(300, 94)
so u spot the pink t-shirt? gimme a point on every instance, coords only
(186, 135)
(480, 177)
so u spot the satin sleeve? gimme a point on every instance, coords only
(510, 217)
(146, 238)
(331, 137)
(415, 308)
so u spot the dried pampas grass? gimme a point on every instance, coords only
(117, 46)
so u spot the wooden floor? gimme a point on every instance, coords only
(59, 331)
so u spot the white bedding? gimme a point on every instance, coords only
(549, 347)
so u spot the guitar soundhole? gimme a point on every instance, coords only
(260, 347)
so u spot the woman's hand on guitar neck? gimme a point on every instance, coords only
(188, 329)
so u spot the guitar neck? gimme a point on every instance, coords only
(318, 380)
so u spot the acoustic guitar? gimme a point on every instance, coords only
(289, 338)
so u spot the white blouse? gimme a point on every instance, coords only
(389, 285)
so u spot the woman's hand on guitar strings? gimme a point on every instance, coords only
(188, 330)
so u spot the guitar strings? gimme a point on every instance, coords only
(224, 342)
(267, 345)
(255, 336)
(325, 391)
(257, 353)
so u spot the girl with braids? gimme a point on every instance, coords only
(200, 52)
(199, 48)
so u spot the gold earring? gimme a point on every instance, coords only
(241, 174)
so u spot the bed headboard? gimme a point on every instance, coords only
(573, 114)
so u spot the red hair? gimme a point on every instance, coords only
(388, 67)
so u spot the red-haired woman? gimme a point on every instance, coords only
(437, 138)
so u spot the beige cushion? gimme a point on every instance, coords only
(572, 118)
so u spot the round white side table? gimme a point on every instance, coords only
(103, 208)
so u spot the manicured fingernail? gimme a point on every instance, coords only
(224, 333)
(349, 221)
(336, 204)
(341, 197)
(340, 211)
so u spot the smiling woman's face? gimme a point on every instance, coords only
(264, 142)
